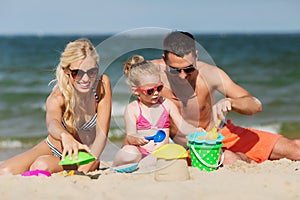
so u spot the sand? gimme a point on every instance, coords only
(269, 180)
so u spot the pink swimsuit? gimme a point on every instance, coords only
(143, 124)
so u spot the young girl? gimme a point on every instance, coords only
(148, 113)
(78, 114)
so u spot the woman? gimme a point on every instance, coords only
(78, 112)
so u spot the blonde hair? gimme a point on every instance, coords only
(132, 61)
(136, 68)
(74, 51)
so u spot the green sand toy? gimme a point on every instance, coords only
(83, 158)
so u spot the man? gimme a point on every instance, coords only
(191, 85)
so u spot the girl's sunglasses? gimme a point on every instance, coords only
(150, 91)
(189, 69)
(77, 74)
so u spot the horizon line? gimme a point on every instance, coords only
(193, 32)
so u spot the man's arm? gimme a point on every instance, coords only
(237, 98)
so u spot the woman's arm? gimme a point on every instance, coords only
(103, 117)
(54, 110)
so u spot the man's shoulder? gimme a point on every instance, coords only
(206, 69)
(204, 65)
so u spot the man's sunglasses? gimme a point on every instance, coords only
(77, 74)
(189, 69)
(150, 91)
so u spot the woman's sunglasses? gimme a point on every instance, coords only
(150, 91)
(77, 74)
(189, 69)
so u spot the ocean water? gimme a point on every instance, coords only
(267, 65)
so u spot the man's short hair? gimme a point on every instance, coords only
(179, 43)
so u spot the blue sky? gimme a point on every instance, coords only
(114, 16)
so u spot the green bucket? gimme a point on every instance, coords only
(206, 156)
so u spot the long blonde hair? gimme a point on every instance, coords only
(74, 51)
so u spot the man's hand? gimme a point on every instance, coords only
(220, 109)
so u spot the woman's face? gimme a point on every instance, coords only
(83, 74)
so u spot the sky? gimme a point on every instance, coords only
(114, 16)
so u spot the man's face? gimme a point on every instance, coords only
(181, 69)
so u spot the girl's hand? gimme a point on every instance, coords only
(71, 145)
(135, 140)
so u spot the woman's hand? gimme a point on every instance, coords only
(71, 145)
(92, 166)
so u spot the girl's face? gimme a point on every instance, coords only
(149, 91)
(83, 74)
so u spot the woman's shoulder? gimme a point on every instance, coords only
(105, 78)
(103, 87)
(104, 82)
(56, 96)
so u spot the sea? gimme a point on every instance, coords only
(267, 65)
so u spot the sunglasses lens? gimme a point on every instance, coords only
(76, 73)
(159, 88)
(150, 91)
(175, 71)
(92, 72)
(189, 70)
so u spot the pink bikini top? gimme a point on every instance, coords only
(163, 122)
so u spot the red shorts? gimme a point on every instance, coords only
(256, 144)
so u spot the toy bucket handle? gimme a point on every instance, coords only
(204, 162)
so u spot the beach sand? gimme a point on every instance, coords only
(269, 180)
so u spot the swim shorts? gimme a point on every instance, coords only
(255, 144)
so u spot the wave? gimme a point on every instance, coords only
(20, 142)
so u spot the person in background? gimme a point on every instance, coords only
(78, 112)
(148, 113)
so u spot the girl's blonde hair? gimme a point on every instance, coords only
(136, 68)
(74, 51)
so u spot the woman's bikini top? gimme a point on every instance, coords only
(143, 124)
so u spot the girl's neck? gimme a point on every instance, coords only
(149, 104)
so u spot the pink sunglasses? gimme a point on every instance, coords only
(150, 91)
